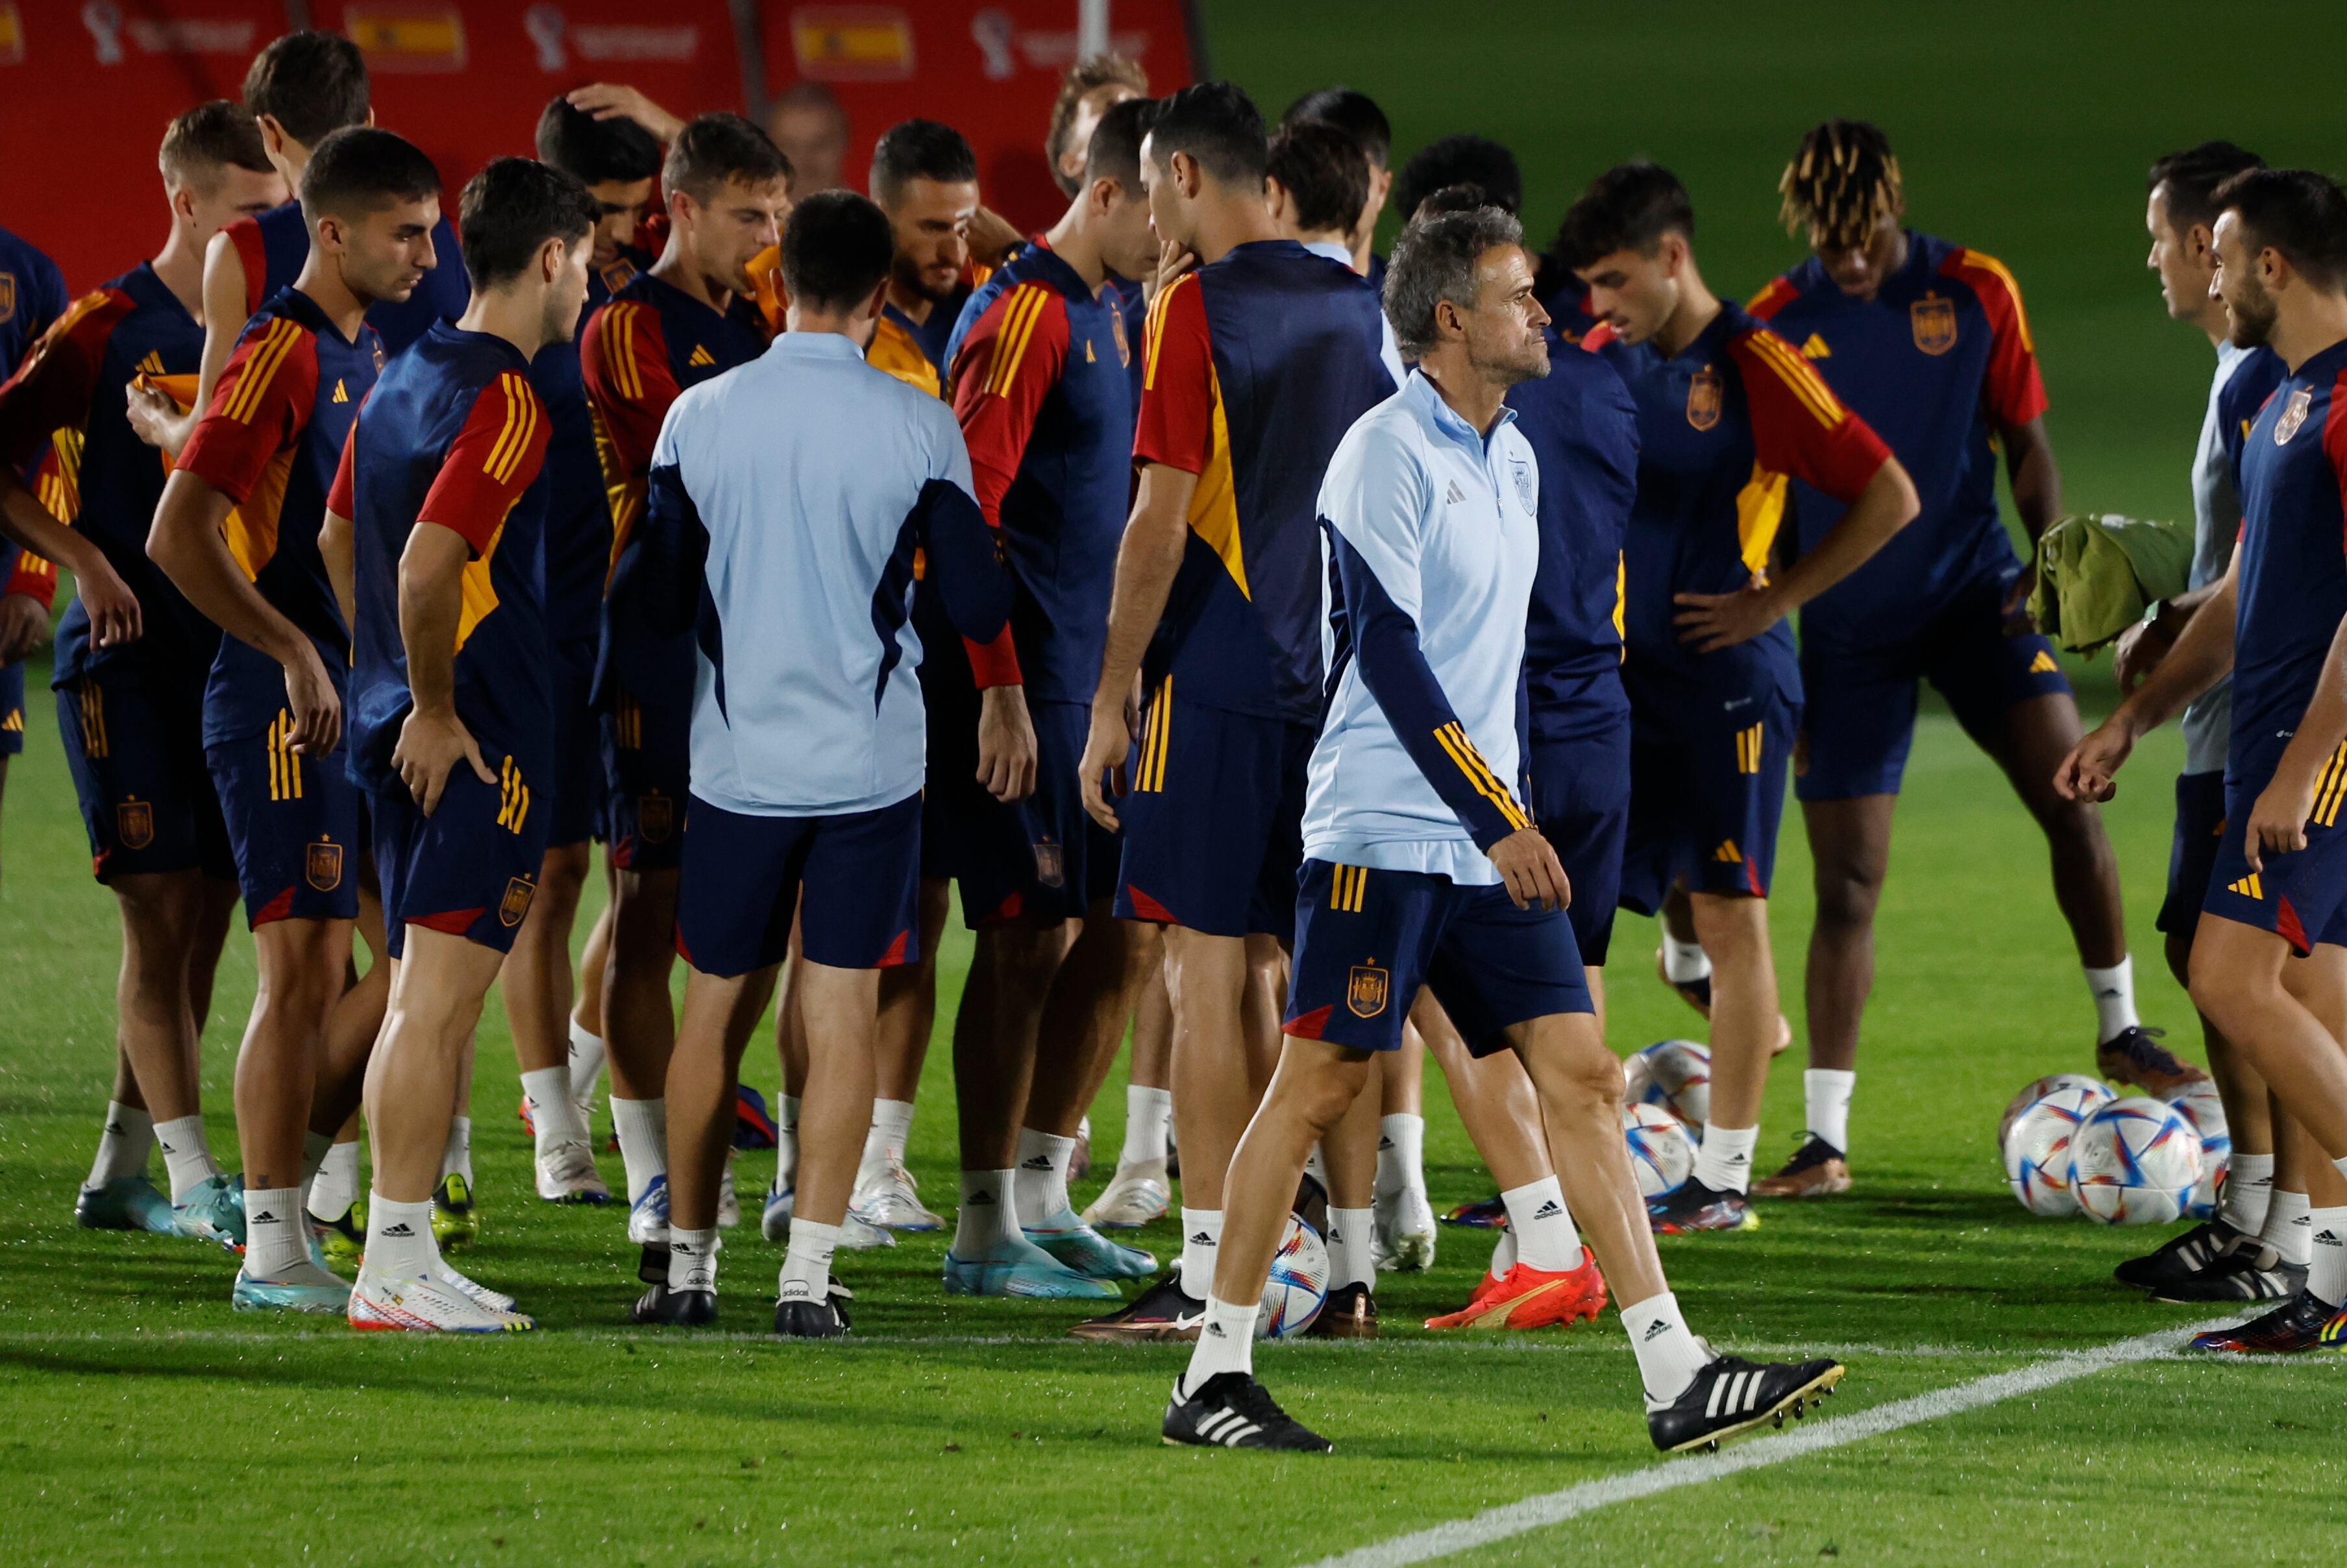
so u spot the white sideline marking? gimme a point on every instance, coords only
(1556, 1507)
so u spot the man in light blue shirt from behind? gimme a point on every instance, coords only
(788, 500)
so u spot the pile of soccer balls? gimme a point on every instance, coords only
(2072, 1147)
(1666, 1097)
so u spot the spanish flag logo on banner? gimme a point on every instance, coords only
(853, 43)
(407, 38)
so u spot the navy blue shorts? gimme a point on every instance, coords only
(295, 822)
(469, 869)
(2301, 897)
(1706, 789)
(647, 768)
(134, 746)
(743, 875)
(12, 709)
(578, 784)
(1042, 859)
(2200, 832)
(1581, 804)
(1213, 824)
(1860, 716)
(1365, 940)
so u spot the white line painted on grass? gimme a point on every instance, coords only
(1556, 1507)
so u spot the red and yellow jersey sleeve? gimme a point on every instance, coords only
(252, 255)
(2013, 391)
(342, 497)
(260, 408)
(624, 358)
(52, 389)
(34, 578)
(1798, 427)
(1177, 384)
(495, 457)
(1780, 294)
(2334, 447)
(1008, 365)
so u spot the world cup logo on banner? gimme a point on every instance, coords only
(104, 20)
(545, 24)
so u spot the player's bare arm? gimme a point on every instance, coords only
(2203, 655)
(159, 421)
(188, 543)
(114, 616)
(1146, 562)
(433, 741)
(616, 100)
(2036, 496)
(2142, 646)
(1716, 620)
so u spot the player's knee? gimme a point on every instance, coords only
(1848, 899)
(1580, 1072)
(2224, 991)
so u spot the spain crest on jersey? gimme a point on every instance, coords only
(655, 817)
(1705, 393)
(1051, 865)
(323, 866)
(134, 824)
(1369, 991)
(1933, 319)
(1523, 473)
(519, 891)
(2301, 404)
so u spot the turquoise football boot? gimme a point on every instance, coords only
(214, 1211)
(310, 1289)
(1019, 1267)
(1079, 1246)
(124, 1204)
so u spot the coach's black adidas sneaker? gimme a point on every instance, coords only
(1695, 1207)
(2182, 1257)
(1232, 1410)
(674, 1308)
(1164, 1311)
(2250, 1271)
(1731, 1395)
(2296, 1325)
(814, 1318)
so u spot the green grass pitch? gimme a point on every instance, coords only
(144, 1419)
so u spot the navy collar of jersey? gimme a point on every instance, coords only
(650, 283)
(932, 335)
(1712, 342)
(2322, 365)
(1042, 264)
(292, 303)
(455, 336)
(147, 287)
(1266, 249)
(1436, 410)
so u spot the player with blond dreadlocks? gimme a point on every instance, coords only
(1928, 343)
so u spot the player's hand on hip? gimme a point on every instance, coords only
(1102, 770)
(2277, 824)
(1528, 864)
(23, 623)
(115, 617)
(310, 697)
(2090, 772)
(1715, 621)
(430, 747)
(1006, 744)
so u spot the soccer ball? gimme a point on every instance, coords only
(2037, 1148)
(1298, 1286)
(1674, 1074)
(2039, 1091)
(2206, 1110)
(1662, 1154)
(2135, 1161)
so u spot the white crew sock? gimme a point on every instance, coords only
(1352, 1252)
(399, 1244)
(884, 1145)
(989, 1216)
(2288, 1228)
(642, 1126)
(553, 1108)
(316, 1147)
(1827, 1091)
(122, 1146)
(1148, 1112)
(787, 1144)
(1503, 1254)
(806, 1268)
(1724, 1162)
(692, 1259)
(2326, 1273)
(2113, 993)
(1668, 1356)
(1544, 1230)
(336, 1186)
(1684, 963)
(1401, 1154)
(187, 1154)
(1225, 1342)
(275, 1232)
(1043, 1180)
(586, 1066)
(2249, 1186)
(457, 1156)
(1202, 1242)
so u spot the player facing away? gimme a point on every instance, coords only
(687, 319)
(1040, 391)
(2220, 1254)
(1259, 363)
(29, 583)
(237, 531)
(129, 686)
(2278, 890)
(1421, 866)
(434, 538)
(1730, 417)
(787, 499)
(1928, 343)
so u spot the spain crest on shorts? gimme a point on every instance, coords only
(519, 891)
(1051, 865)
(655, 817)
(1369, 991)
(1933, 319)
(323, 866)
(2293, 414)
(134, 824)
(1705, 393)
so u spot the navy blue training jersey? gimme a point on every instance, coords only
(578, 547)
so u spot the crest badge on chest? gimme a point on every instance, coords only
(1933, 319)
(1706, 392)
(2293, 414)
(1524, 476)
